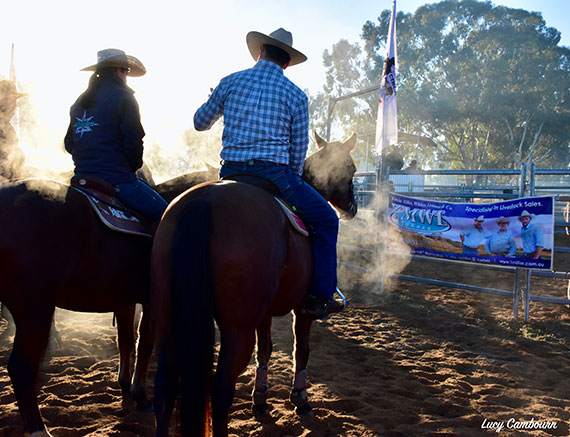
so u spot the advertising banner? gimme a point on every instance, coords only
(514, 233)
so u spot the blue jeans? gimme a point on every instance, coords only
(312, 208)
(142, 198)
(470, 251)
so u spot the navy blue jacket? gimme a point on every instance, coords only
(105, 140)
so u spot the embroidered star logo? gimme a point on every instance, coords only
(84, 124)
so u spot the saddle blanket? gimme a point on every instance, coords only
(113, 214)
(294, 219)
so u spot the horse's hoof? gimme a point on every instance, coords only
(304, 410)
(141, 401)
(260, 409)
(126, 390)
(145, 407)
(43, 433)
(260, 396)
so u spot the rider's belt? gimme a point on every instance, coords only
(250, 162)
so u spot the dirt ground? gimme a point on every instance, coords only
(419, 360)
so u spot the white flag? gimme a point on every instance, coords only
(387, 122)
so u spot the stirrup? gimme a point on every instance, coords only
(344, 300)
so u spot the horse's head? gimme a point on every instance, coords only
(330, 171)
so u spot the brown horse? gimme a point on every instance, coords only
(225, 251)
(55, 252)
(172, 187)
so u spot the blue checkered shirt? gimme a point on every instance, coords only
(531, 237)
(266, 116)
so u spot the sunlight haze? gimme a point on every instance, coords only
(187, 47)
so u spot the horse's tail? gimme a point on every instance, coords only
(192, 316)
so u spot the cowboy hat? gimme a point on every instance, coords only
(525, 213)
(279, 38)
(502, 220)
(116, 58)
(8, 88)
(479, 219)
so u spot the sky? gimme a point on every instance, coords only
(186, 46)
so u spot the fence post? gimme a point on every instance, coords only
(527, 296)
(381, 207)
(516, 294)
(532, 182)
(330, 110)
(517, 291)
(531, 185)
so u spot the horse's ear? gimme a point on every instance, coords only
(350, 144)
(210, 167)
(320, 142)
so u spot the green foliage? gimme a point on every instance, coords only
(488, 84)
(346, 73)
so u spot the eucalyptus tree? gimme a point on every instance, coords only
(489, 84)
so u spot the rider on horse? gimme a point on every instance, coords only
(266, 123)
(105, 135)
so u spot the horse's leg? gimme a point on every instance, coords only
(302, 330)
(144, 352)
(6, 315)
(236, 348)
(55, 340)
(264, 349)
(32, 334)
(126, 342)
(165, 385)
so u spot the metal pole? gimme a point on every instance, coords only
(367, 150)
(378, 206)
(522, 188)
(516, 294)
(330, 110)
(532, 178)
(527, 295)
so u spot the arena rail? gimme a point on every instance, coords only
(405, 182)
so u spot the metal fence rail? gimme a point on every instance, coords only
(484, 186)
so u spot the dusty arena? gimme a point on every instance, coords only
(419, 360)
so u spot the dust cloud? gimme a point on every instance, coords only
(371, 250)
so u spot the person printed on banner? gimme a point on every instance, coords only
(473, 237)
(531, 236)
(501, 243)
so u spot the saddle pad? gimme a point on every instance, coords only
(294, 219)
(114, 216)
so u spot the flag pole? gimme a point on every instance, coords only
(386, 134)
(16, 118)
(12, 66)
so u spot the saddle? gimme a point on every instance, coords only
(102, 198)
(271, 188)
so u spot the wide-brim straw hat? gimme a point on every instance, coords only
(279, 38)
(502, 220)
(525, 213)
(115, 58)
